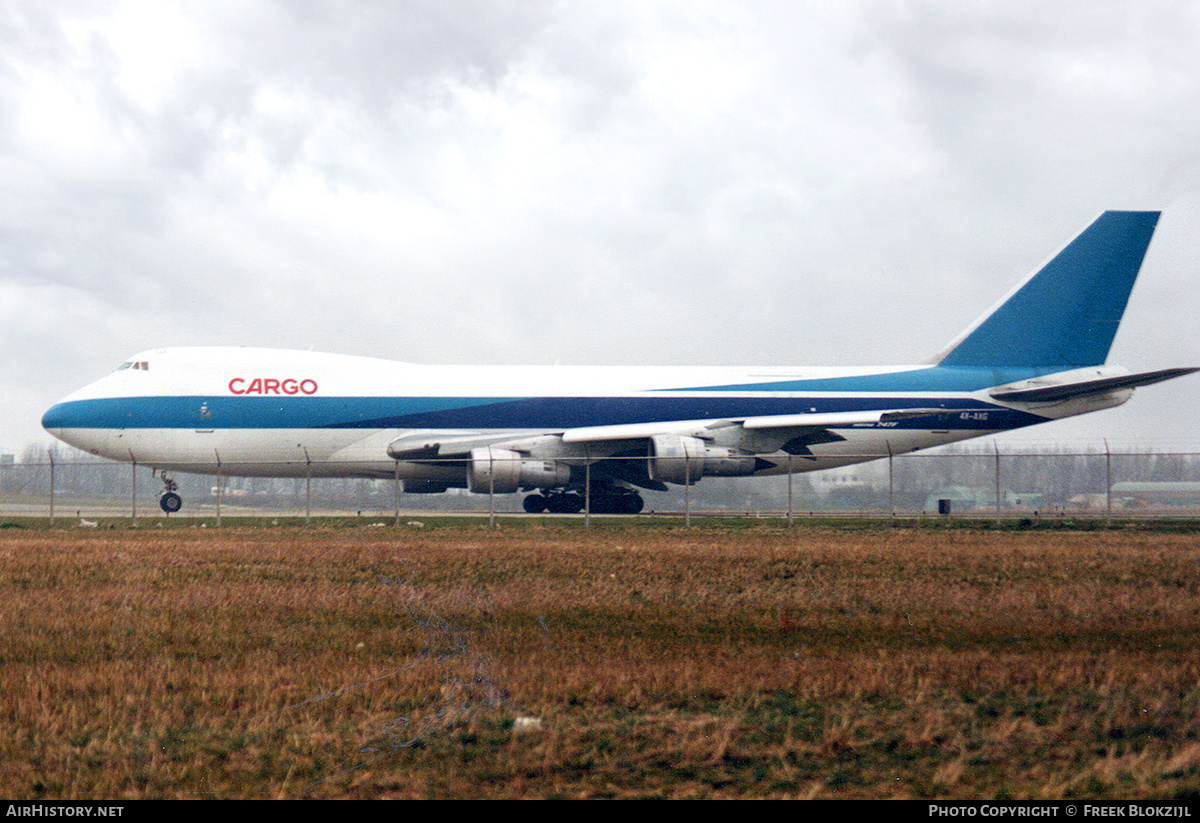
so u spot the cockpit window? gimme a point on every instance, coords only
(143, 365)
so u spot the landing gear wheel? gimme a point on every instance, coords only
(617, 503)
(534, 504)
(168, 500)
(560, 503)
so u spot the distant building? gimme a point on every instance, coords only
(967, 498)
(1178, 493)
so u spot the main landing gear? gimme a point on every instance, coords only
(554, 502)
(618, 501)
(169, 500)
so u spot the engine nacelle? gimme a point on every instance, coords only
(684, 460)
(504, 471)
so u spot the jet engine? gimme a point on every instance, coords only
(503, 471)
(684, 460)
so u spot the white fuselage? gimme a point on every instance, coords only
(250, 411)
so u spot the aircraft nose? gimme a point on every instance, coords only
(55, 419)
(75, 422)
(65, 416)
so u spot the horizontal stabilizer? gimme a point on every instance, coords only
(1028, 393)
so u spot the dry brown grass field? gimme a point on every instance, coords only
(539, 660)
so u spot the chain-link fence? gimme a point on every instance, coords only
(978, 483)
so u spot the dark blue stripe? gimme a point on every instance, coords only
(931, 379)
(225, 412)
(200, 412)
(479, 413)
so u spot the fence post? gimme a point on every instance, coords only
(587, 489)
(891, 487)
(789, 473)
(51, 454)
(132, 491)
(687, 491)
(491, 489)
(307, 488)
(996, 446)
(220, 488)
(1107, 486)
(396, 489)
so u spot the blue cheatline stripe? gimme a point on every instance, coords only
(925, 379)
(223, 412)
(1067, 314)
(541, 413)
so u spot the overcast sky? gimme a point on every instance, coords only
(785, 183)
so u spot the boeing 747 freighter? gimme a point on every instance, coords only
(554, 431)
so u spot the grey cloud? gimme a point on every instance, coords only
(605, 183)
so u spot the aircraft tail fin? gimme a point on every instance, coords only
(1066, 313)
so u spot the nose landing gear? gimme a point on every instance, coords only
(168, 500)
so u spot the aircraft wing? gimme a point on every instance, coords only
(639, 431)
(435, 444)
(829, 420)
(439, 444)
(1031, 392)
(833, 420)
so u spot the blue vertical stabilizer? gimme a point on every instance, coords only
(1065, 314)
